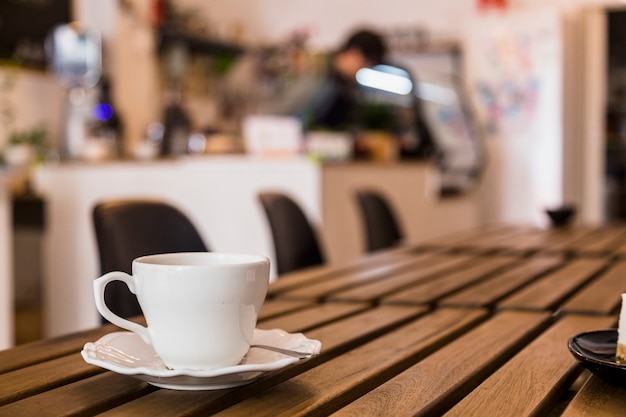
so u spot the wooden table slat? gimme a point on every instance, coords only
(40, 351)
(311, 317)
(597, 398)
(568, 239)
(483, 239)
(599, 240)
(535, 239)
(620, 250)
(542, 240)
(358, 370)
(336, 338)
(319, 273)
(491, 290)
(85, 397)
(606, 241)
(372, 291)
(41, 377)
(432, 385)
(529, 384)
(319, 290)
(276, 307)
(546, 293)
(602, 296)
(432, 290)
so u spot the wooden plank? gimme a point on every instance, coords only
(553, 240)
(373, 291)
(47, 349)
(597, 398)
(41, 377)
(541, 240)
(336, 338)
(46, 375)
(434, 384)
(43, 350)
(430, 394)
(85, 397)
(491, 290)
(620, 250)
(466, 238)
(531, 383)
(326, 387)
(311, 317)
(493, 242)
(604, 241)
(600, 240)
(602, 296)
(432, 290)
(526, 239)
(561, 240)
(355, 330)
(314, 274)
(548, 292)
(40, 351)
(276, 307)
(319, 290)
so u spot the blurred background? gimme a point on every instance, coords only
(524, 100)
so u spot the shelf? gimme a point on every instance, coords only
(197, 44)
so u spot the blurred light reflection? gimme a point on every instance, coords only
(386, 78)
(102, 112)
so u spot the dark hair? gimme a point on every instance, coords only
(369, 43)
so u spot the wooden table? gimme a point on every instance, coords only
(476, 324)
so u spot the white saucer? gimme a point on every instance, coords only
(126, 353)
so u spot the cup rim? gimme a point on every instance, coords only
(228, 260)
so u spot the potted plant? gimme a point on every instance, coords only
(24, 146)
(375, 122)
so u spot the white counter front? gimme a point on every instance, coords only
(219, 194)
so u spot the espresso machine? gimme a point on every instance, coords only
(75, 54)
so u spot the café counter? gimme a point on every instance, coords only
(219, 194)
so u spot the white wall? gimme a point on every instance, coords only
(34, 99)
(328, 20)
(514, 75)
(6, 263)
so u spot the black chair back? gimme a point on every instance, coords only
(296, 245)
(380, 224)
(128, 229)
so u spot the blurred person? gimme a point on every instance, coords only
(336, 101)
(322, 91)
(333, 104)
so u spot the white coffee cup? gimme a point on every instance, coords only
(200, 308)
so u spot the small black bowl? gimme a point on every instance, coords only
(562, 216)
(596, 351)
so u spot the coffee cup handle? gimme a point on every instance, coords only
(98, 289)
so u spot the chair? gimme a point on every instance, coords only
(295, 243)
(127, 229)
(380, 224)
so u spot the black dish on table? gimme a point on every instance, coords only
(596, 351)
(562, 216)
